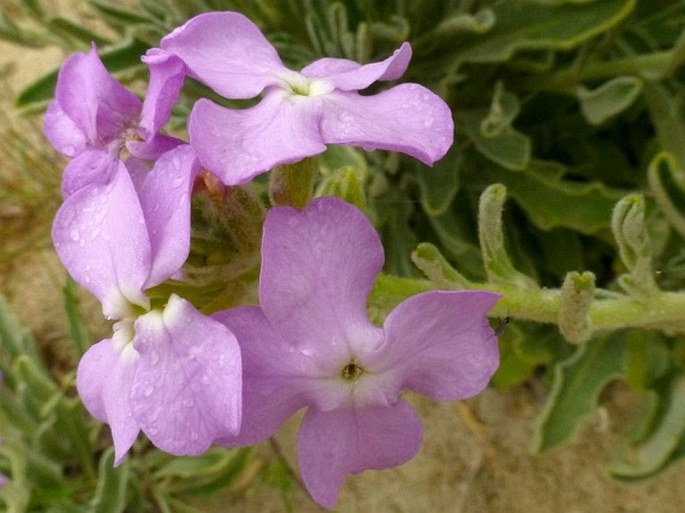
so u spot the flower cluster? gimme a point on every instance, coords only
(189, 380)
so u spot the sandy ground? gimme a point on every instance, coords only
(475, 458)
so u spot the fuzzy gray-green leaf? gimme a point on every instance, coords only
(578, 382)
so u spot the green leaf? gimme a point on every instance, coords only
(223, 473)
(650, 455)
(389, 291)
(506, 146)
(344, 173)
(440, 184)
(456, 243)
(117, 58)
(78, 331)
(578, 382)
(609, 99)
(38, 389)
(14, 339)
(667, 111)
(513, 370)
(544, 194)
(526, 25)
(667, 184)
(648, 359)
(76, 30)
(120, 15)
(186, 467)
(110, 494)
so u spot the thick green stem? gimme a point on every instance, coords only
(664, 311)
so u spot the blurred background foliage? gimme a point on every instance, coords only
(575, 108)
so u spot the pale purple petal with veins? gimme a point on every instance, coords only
(187, 388)
(346, 441)
(90, 167)
(347, 75)
(103, 379)
(94, 102)
(318, 267)
(100, 235)
(152, 148)
(227, 52)
(165, 200)
(236, 145)
(278, 379)
(167, 73)
(407, 118)
(62, 132)
(95, 364)
(439, 344)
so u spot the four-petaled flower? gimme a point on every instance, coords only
(300, 112)
(99, 123)
(310, 344)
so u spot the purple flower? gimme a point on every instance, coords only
(97, 122)
(310, 344)
(169, 371)
(300, 112)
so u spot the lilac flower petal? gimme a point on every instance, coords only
(407, 118)
(103, 380)
(236, 145)
(278, 380)
(94, 367)
(165, 200)
(318, 267)
(187, 388)
(100, 235)
(99, 106)
(62, 132)
(348, 75)
(227, 52)
(440, 344)
(91, 167)
(167, 73)
(346, 441)
(153, 148)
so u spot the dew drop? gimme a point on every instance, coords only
(75, 235)
(148, 391)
